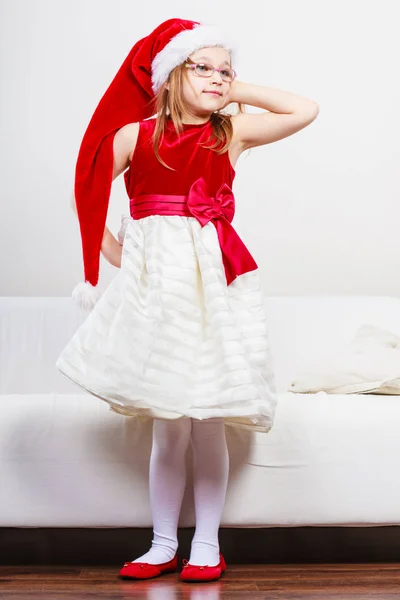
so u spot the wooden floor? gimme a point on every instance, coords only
(360, 581)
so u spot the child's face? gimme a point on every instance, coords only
(197, 90)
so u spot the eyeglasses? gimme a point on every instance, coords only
(206, 70)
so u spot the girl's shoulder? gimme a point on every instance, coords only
(124, 143)
(127, 137)
(132, 130)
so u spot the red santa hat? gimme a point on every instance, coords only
(128, 99)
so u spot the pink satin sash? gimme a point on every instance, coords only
(220, 210)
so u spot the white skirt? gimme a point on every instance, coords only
(169, 339)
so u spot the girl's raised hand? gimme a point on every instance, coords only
(231, 96)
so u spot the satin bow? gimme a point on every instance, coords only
(221, 209)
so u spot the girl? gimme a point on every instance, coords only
(179, 336)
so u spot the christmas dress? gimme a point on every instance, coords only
(181, 330)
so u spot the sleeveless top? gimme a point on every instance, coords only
(147, 175)
(200, 187)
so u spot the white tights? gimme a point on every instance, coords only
(167, 486)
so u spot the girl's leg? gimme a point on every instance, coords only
(167, 485)
(210, 479)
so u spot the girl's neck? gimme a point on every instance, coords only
(188, 120)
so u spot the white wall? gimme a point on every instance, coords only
(320, 211)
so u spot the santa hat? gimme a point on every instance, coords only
(128, 99)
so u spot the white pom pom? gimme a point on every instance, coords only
(86, 295)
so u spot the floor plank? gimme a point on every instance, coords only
(355, 581)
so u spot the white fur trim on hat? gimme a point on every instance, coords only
(180, 47)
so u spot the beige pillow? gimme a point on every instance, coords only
(369, 364)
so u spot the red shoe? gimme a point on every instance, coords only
(200, 573)
(143, 570)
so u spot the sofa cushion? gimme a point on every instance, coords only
(370, 363)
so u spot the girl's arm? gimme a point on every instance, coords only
(123, 147)
(288, 114)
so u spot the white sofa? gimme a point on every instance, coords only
(66, 460)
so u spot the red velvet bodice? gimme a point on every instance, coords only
(147, 175)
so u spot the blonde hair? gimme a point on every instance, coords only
(170, 103)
